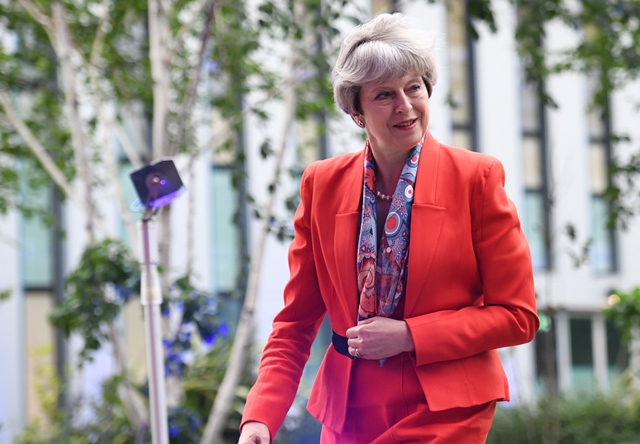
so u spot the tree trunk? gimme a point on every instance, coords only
(64, 48)
(244, 333)
(158, 40)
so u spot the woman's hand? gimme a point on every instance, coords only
(254, 432)
(379, 338)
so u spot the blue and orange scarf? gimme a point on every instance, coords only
(381, 269)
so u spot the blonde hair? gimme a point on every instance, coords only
(389, 46)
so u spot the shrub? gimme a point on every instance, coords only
(594, 420)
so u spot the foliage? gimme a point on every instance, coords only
(607, 46)
(108, 425)
(17, 73)
(198, 313)
(109, 422)
(624, 192)
(195, 341)
(607, 50)
(5, 294)
(196, 351)
(624, 312)
(581, 421)
(104, 280)
(201, 383)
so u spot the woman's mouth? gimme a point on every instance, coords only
(406, 123)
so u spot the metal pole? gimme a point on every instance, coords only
(151, 298)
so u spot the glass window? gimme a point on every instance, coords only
(546, 362)
(601, 253)
(461, 69)
(582, 365)
(534, 228)
(599, 166)
(224, 237)
(37, 266)
(536, 216)
(582, 370)
(380, 6)
(530, 109)
(533, 172)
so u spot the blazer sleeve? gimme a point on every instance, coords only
(506, 314)
(294, 328)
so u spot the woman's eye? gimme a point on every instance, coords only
(415, 87)
(382, 95)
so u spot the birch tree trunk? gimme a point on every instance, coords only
(64, 49)
(160, 75)
(244, 333)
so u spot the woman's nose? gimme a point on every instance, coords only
(403, 104)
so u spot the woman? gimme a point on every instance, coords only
(418, 304)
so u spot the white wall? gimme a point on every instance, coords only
(498, 90)
(12, 348)
(570, 180)
(626, 115)
(432, 18)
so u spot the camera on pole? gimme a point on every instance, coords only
(157, 185)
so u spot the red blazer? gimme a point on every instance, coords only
(469, 285)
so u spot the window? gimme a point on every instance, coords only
(581, 353)
(461, 61)
(602, 254)
(546, 362)
(37, 242)
(380, 6)
(582, 366)
(536, 220)
(224, 239)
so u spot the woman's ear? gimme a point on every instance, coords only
(358, 119)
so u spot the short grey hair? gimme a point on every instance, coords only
(389, 46)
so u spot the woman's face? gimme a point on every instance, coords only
(395, 113)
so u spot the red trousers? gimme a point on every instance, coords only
(387, 405)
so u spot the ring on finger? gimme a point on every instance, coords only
(357, 352)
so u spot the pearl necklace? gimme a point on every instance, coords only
(383, 196)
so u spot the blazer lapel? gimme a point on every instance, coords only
(345, 250)
(347, 222)
(426, 222)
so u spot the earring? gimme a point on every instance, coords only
(358, 122)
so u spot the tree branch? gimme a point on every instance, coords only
(39, 15)
(186, 27)
(131, 398)
(37, 149)
(210, 144)
(133, 156)
(239, 350)
(70, 83)
(98, 42)
(112, 165)
(41, 155)
(158, 36)
(187, 104)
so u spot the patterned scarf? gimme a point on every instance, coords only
(381, 270)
